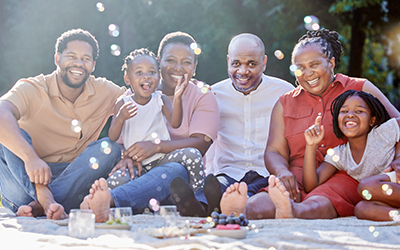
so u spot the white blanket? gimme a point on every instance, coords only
(341, 233)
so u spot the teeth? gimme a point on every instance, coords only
(351, 123)
(146, 83)
(242, 79)
(313, 81)
(176, 77)
(76, 72)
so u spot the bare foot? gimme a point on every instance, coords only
(33, 209)
(234, 199)
(280, 197)
(99, 200)
(85, 203)
(56, 212)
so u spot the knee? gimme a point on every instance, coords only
(176, 169)
(361, 209)
(110, 148)
(191, 152)
(367, 184)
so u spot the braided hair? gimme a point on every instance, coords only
(137, 53)
(325, 39)
(376, 107)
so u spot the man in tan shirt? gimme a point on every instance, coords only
(49, 155)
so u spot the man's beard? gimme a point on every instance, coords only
(67, 82)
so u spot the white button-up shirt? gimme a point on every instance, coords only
(244, 127)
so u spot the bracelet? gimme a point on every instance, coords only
(397, 155)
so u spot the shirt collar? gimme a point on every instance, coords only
(339, 78)
(54, 91)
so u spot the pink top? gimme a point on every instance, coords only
(200, 114)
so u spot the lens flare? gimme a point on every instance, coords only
(193, 46)
(311, 22)
(278, 54)
(204, 90)
(76, 126)
(115, 50)
(330, 152)
(366, 194)
(197, 51)
(293, 68)
(93, 163)
(335, 158)
(298, 73)
(113, 30)
(100, 7)
(371, 229)
(200, 84)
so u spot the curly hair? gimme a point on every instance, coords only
(175, 37)
(325, 39)
(135, 54)
(376, 107)
(80, 35)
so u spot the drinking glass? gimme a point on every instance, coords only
(81, 223)
(123, 214)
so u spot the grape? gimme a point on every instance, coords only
(222, 222)
(214, 215)
(245, 222)
(242, 217)
(222, 216)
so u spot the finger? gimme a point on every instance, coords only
(140, 168)
(130, 169)
(318, 121)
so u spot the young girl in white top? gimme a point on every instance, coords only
(142, 116)
(371, 135)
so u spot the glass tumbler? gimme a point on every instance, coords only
(81, 223)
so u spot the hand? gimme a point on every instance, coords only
(127, 163)
(180, 87)
(140, 151)
(394, 166)
(315, 133)
(290, 182)
(128, 110)
(38, 171)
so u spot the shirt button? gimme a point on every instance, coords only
(319, 113)
(319, 100)
(322, 145)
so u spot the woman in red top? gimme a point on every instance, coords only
(315, 55)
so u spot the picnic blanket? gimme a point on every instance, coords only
(340, 233)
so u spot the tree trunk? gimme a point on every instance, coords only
(356, 45)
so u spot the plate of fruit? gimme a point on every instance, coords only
(229, 226)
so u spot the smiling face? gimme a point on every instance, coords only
(246, 63)
(316, 69)
(355, 117)
(142, 75)
(176, 60)
(75, 63)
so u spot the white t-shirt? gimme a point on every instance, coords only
(148, 120)
(378, 154)
(244, 127)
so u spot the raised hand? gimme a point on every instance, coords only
(315, 133)
(181, 86)
(128, 110)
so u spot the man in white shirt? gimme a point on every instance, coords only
(245, 102)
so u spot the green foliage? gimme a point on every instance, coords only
(351, 5)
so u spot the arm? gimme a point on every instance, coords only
(313, 177)
(276, 155)
(123, 112)
(11, 137)
(145, 149)
(393, 112)
(174, 115)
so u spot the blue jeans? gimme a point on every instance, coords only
(154, 184)
(70, 181)
(253, 180)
